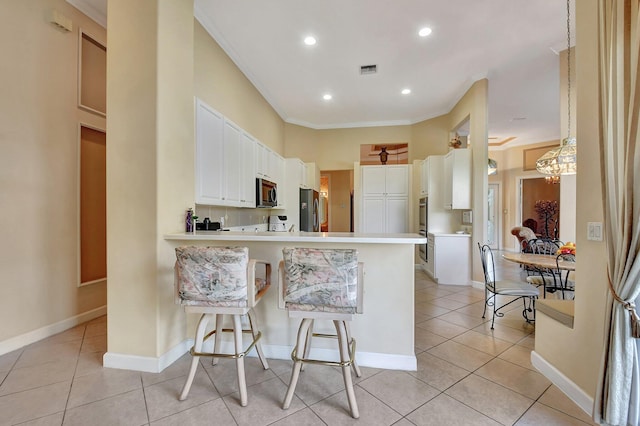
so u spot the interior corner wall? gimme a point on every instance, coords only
(577, 352)
(39, 142)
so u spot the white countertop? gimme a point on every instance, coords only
(446, 234)
(313, 237)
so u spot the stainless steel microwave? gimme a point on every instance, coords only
(266, 193)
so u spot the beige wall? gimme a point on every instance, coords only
(39, 142)
(219, 83)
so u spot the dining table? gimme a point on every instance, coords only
(549, 266)
(542, 261)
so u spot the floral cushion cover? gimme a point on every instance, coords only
(321, 279)
(211, 276)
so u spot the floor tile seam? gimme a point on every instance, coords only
(144, 397)
(475, 373)
(69, 380)
(557, 409)
(67, 408)
(521, 366)
(484, 352)
(446, 360)
(472, 408)
(378, 399)
(506, 387)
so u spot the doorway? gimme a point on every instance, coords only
(338, 199)
(532, 191)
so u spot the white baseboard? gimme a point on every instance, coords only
(575, 393)
(477, 284)
(22, 340)
(156, 365)
(147, 364)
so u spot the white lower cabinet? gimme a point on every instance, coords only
(449, 257)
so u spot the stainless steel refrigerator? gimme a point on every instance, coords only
(309, 217)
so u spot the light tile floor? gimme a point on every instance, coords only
(467, 375)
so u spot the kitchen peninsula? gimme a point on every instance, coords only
(384, 332)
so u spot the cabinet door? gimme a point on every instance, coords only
(396, 212)
(424, 177)
(373, 214)
(461, 179)
(232, 162)
(261, 164)
(373, 180)
(397, 180)
(209, 155)
(248, 184)
(447, 187)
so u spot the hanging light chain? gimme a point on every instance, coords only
(568, 70)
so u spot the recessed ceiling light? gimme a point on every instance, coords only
(406, 91)
(327, 97)
(424, 32)
(310, 40)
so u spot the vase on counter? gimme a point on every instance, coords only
(189, 225)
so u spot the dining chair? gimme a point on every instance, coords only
(322, 284)
(506, 289)
(546, 278)
(566, 284)
(218, 281)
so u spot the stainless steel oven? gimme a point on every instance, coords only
(422, 227)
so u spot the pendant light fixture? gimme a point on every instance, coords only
(492, 167)
(562, 160)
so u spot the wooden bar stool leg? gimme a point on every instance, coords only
(237, 337)
(216, 338)
(346, 370)
(197, 347)
(253, 323)
(297, 365)
(356, 369)
(307, 343)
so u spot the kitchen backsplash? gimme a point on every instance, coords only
(231, 217)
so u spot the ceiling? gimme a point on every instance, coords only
(512, 43)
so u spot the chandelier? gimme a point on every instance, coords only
(492, 167)
(562, 160)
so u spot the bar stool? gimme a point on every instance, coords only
(315, 284)
(217, 281)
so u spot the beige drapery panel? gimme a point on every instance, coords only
(617, 399)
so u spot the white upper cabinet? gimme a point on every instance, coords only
(248, 190)
(457, 179)
(232, 163)
(313, 176)
(225, 161)
(385, 199)
(209, 161)
(385, 180)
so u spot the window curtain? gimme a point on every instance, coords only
(617, 399)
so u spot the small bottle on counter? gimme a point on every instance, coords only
(188, 222)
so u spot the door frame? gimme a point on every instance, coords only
(498, 242)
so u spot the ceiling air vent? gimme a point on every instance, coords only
(368, 69)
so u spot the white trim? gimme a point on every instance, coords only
(477, 284)
(147, 364)
(156, 365)
(22, 340)
(569, 388)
